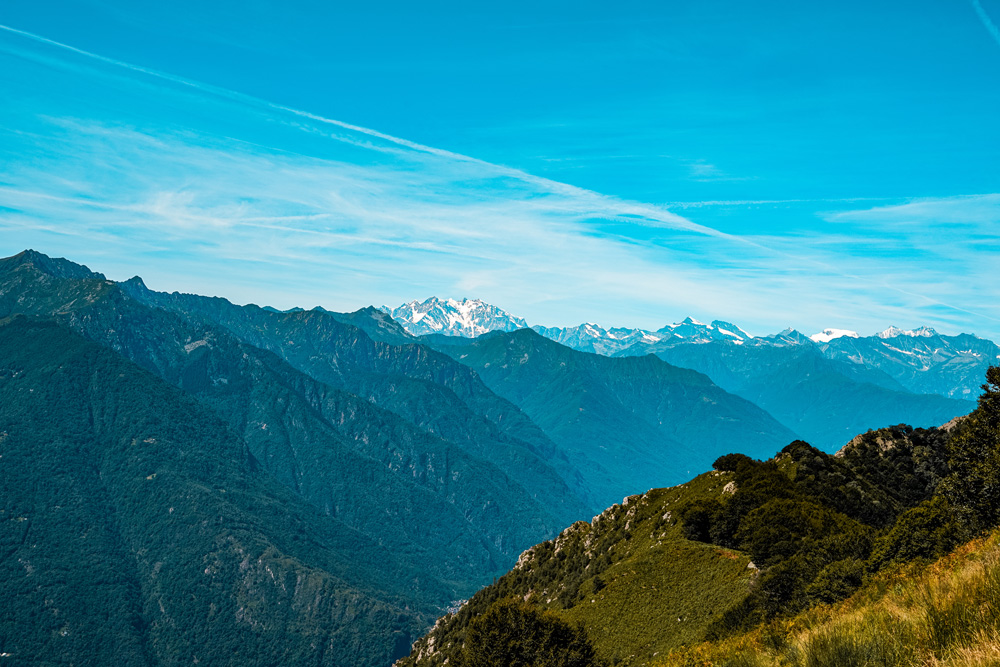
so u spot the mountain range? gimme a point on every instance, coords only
(421, 495)
(824, 388)
(468, 317)
(371, 477)
(185, 479)
(920, 360)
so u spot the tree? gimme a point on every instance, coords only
(515, 634)
(973, 485)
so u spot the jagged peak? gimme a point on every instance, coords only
(57, 267)
(464, 317)
(730, 329)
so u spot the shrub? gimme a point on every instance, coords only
(928, 530)
(732, 462)
(515, 634)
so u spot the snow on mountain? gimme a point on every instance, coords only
(693, 331)
(895, 332)
(922, 360)
(826, 335)
(594, 338)
(467, 318)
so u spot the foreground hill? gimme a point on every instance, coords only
(940, 613)
(137, 529)
(630, 423)
(733, 555)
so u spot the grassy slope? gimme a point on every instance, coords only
(946, 613)
(661, 598)
(656, 590)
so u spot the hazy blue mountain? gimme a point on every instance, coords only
(825, 401)
(596, 339)
(825, 387)
(920, 361)
(629, 423)
(378, 324)
(923, 360)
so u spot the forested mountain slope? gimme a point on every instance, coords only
(455, 516)
(137, 529)
(396, 373)
(632, 423)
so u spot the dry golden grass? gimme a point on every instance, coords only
(946, 614)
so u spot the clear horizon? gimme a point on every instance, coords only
(775, 166)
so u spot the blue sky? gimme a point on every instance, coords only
(774, 164)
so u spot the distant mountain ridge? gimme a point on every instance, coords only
(922, 361)
(823, 388)
(626, 421)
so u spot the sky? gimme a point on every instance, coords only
(772, 164)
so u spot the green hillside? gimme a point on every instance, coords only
(629, 577)
(457, 515)
(392, 371)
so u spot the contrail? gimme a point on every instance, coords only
(990, 26)
(623, 209)
(652, 212)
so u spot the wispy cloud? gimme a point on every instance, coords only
(202, 189)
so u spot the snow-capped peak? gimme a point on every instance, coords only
(691, 330)
(826, 335)
(453, 317)
(893, 332)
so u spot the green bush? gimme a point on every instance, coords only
(696, 519)
(929, 530)
(837, 581)
(515, 634)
